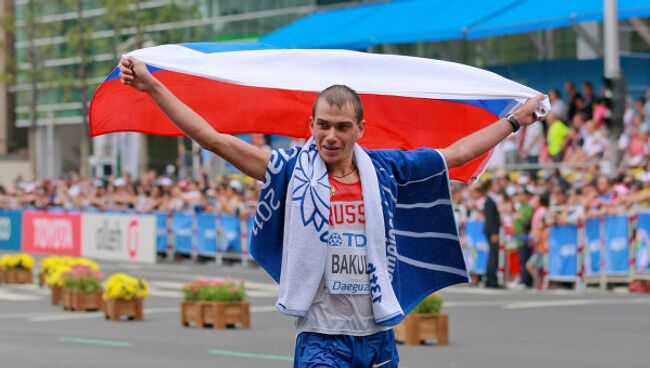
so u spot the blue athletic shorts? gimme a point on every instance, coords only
(344, 351)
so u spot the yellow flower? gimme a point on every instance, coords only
(21, 260)
(27, 261)
(123, 286)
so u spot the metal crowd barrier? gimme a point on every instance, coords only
(599, 251)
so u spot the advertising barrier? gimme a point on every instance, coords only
(563, 253)
(119, 237)
(642, 246)
(593, 248)
(161, 232)
(182, 230)
(616, 245)
(206, 234)
(10, 224)
(476, 250)
(51, 233)
(229, 240)
(602, 246)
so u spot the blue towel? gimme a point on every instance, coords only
(423, 252)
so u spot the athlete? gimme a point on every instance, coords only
(338, 330)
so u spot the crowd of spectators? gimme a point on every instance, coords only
(527, 207)
(565, 174)
(234, 195)
(574, 133)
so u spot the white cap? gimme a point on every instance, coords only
(119, 182)
(236, 185)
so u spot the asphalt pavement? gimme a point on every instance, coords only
(487, 328)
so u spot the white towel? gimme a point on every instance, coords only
(306, 234)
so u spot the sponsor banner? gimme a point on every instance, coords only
(592, 250)
(161, 232)
(51, 233)
(642, 249)
(476, 247)
(119, 237)
(563, 251)
(617, 248)
(206, 234)
(229, 240)
(10, 222)
(182, 230)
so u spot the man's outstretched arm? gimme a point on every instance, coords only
(479, 142)
(251, 160)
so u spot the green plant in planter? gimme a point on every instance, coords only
(84, 278)
(214, 291)
(430, 305)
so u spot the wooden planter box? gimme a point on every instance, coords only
(114, 309)
(77, 300)
(417, 328)
(41, 279)
(216, 314)
(57, 295)
(17, 276)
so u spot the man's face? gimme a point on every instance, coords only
(335, 131)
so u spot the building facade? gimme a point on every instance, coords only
(61, 51)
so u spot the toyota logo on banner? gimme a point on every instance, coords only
(132, 238)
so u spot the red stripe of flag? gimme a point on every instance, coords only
(392, 121)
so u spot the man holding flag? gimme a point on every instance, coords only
(355, 238)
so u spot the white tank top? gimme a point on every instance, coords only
(342, 304)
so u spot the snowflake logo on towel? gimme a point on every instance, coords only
(311, 188)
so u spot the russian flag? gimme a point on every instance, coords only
(408, 102)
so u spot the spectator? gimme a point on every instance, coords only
(595, 144)
(556, 138)
(633, 145)
(634, 115)
(522, 228)
(558, 107)
(589, 98)
(538, 236)
(491, 229)
(531, 147)
(572, 95)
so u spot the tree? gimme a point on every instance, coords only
(35, 72)
(7, 74)
(80, 39)
(132, 29)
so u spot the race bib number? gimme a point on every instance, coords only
(347, 264)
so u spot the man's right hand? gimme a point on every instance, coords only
(134, 73)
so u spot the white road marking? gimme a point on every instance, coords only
(574, 302)
(13, 297)
(21, 315)
(66, 316)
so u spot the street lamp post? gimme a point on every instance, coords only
(616, 81)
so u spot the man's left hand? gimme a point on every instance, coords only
(525, 114)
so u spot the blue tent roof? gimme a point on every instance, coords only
(531, 16)
(437, 20)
